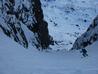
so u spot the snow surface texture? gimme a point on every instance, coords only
(14, 59)
(68, 19)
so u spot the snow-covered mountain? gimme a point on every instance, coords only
(89, 37)
(68, 19)
(22, 20)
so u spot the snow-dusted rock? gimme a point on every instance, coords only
(22, 20)
(89, 37)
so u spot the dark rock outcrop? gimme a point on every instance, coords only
(18, 13)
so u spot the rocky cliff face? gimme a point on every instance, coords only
(89, 37)
(23, 21)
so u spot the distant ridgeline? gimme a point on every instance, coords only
(89, 37)
(23, 21)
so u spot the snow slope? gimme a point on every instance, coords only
(14, 59)
(68, 19)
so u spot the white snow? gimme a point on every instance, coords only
(14, 59)
(65, 25)
(68, 19)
